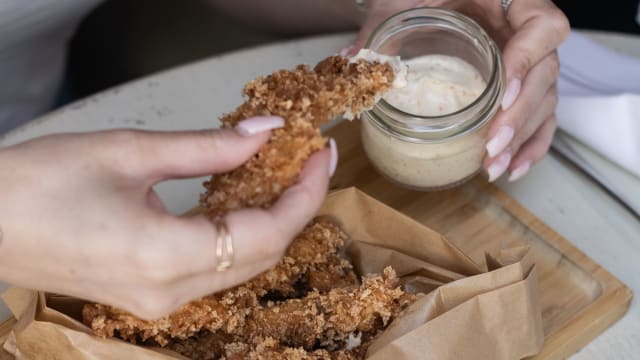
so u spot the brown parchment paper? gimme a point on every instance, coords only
(467, 312)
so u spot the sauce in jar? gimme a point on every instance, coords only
(431, 133)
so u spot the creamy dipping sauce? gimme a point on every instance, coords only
(424, 166)
(436, 85)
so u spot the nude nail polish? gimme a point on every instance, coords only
(333, 163)
(345, 51)
(520, 171)
(500, 140)
(511, 93)
(498, 167)
(258, 124)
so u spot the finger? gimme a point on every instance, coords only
(269, 232)
(155, 202)
(533, 150)
(540, 28)
(508, 123)
(310, 190)
(379, 11)
(545, 109)
(161, 155)
(366, 30)
(498, 165)
(186, 246)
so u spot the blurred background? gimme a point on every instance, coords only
(124, 39)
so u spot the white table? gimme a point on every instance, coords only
(193, 96)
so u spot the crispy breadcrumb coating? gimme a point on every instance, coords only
(210, 347)
(213, 312)
(336, 272)
(306, 99)
(317, 326)
(202, 346)
(328, 319)
(270, 349)
(316, 245)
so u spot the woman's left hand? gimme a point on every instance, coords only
(529, 35)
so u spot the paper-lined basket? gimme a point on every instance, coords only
(470, 311)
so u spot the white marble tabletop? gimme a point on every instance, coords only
(193, 96)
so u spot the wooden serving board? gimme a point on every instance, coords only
(579, 298)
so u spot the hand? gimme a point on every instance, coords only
(529, 35)
(79, 215)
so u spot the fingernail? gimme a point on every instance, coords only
(346, 51)
(511, 94)
(333, 162)
(258, 124)
(499, 166)
(500, 140)
(520, 171)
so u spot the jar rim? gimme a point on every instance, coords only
(448, 16)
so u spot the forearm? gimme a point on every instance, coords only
(294, 16)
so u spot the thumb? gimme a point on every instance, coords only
(371, 21)
(379, 11)
(156, 156)
(366, 30)
(540, 28)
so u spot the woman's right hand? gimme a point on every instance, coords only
(79, 215)
(529, 34)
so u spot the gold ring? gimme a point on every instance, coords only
(224, 246)
(505, 5)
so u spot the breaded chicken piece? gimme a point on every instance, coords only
(337, 272)
(318, 244)
(202, 346)
(210, 347)
(214, 312)
(270, 349)
(328, 319)
(306, 99)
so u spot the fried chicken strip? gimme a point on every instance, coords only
(270, 349)
(215, 346)
(336, 272)
(328, 320)
(202, 346)
(316, 245)
(306, 99)
(225, 310)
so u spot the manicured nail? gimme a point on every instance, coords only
(500, 140)
(499, 166)
(511, 94)
(258, 124)
(520, 171)
(345, 51)
(333, 162)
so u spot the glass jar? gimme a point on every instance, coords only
(433, 152)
